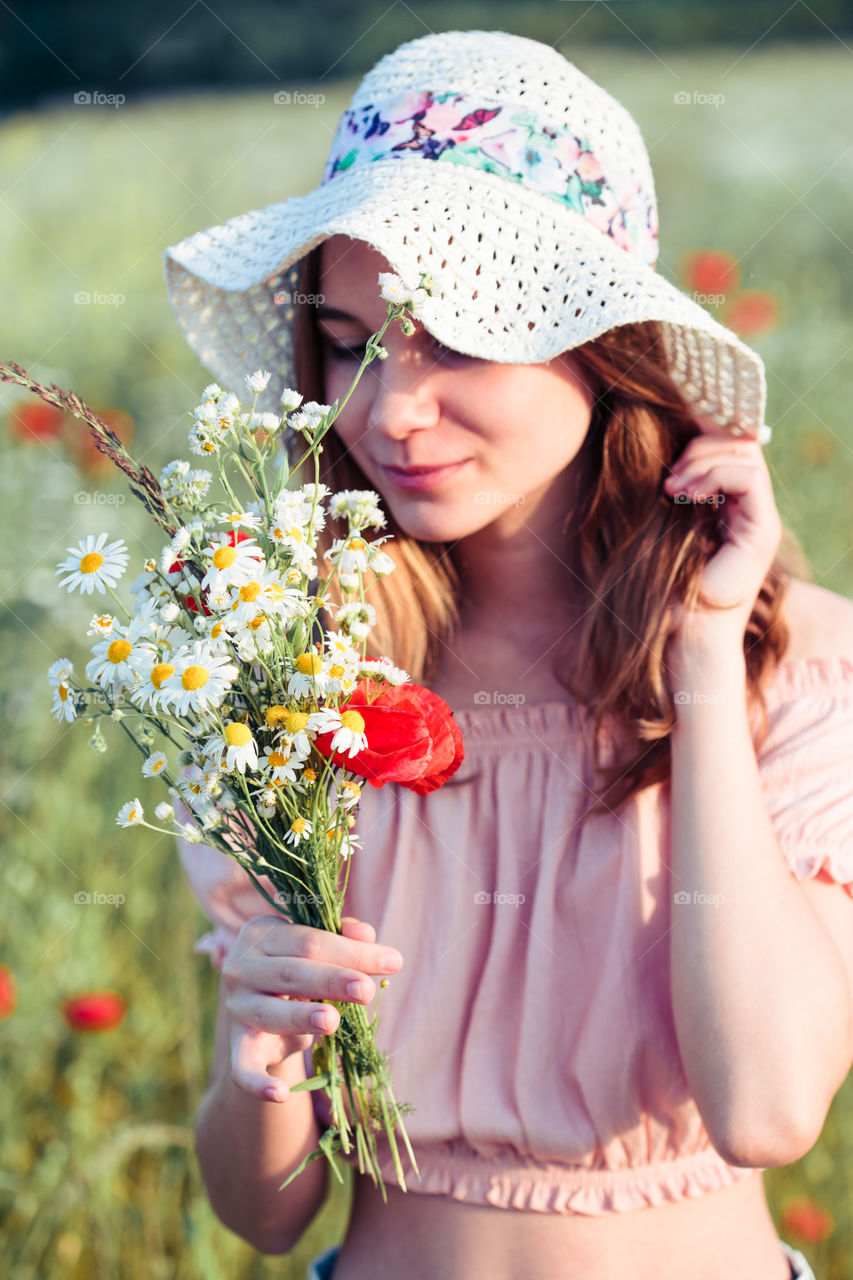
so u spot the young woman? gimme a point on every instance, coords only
(623, 928)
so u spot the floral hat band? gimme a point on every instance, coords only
(505, 139)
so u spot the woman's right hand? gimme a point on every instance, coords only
(276, 978)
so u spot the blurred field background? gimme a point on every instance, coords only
(99, 1177)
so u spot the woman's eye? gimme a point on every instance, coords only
(352, 351)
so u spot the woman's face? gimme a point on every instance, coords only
(506, 433)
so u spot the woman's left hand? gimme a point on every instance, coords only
(729, 471)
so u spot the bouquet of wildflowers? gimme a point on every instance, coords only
(262, 724)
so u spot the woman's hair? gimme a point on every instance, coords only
(640, 554)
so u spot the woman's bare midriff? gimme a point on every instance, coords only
(727, 1233)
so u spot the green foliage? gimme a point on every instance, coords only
(99, 1171)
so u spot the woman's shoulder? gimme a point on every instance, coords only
(820, 623)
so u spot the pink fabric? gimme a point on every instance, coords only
(534, 1033)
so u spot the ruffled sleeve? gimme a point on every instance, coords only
(227, 895)
(806, 765)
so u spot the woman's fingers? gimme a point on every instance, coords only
(252, 1051)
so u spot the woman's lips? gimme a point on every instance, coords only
(427, 478)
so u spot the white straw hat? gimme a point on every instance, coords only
(520, 186)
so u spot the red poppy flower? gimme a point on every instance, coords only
(710, 271)
(94, 1010)
(412, 737)
(36, 422)
(8, 992)
(810, 1221)
(752, 312)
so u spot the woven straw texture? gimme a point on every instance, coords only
(519, 277)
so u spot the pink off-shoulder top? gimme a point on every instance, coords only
(531, 1025)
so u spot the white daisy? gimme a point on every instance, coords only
(279, 764)
(116, 658)
(382, 668)
(310, 416)
(154, 765)
(101, 625)
(349, 794)
(293, 733)
(64, 706)
(231, 565)
(235, 749)
(360, 507)
(130, 814)
(258, 380)
(94, 564)
(164, 812)
(347, 726)
(349, 554)
(250, 519)
(60, 672)
(290, 400)
(300, 829)
(152, 683)
(308, 678)
(201, 678)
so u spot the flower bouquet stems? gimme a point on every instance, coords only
(263, 725)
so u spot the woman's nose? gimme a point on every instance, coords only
(404, 398)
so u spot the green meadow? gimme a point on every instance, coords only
(99, 1176)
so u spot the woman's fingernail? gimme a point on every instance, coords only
(390, 959)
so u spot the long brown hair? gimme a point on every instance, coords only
(640, 554)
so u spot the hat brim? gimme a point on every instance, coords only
(523, 279)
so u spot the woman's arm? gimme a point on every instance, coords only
(246, 1148)
(760, 993)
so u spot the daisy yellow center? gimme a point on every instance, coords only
(209, 447)
(309, 664)
(276, 715)
(353, 721)
(195, 677)
(296, 721)
(119, 650)
(356, 544)
(237, 735)
(352, 787)
(256, 621)
(92, 562)
(336, 670)
(251, 591)
(224, 557)
(295, 533)
(157, 766)
(63, 692)
(310, 775)
(215, 630)
(293, 575)
(133, 815)
(277, 759)
(298, 825)
(104, 622)
(160, 673)
(275, 592)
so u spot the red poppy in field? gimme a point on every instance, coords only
(86, 455)
(412, 737)
(94, 1010)
(810, 1221)
(710, 271)
(753, 312)
(36, 422)
(8, 992)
